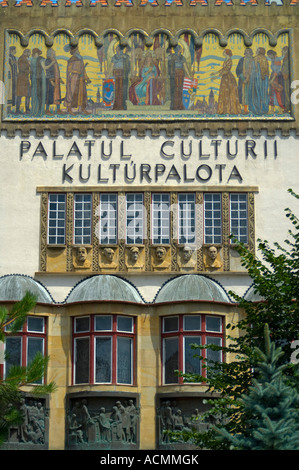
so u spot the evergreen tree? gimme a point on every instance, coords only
(11, 321)
(272, 406)
(275, 275)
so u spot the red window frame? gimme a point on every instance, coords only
(114, 333)
(181, 333)
(25, 334)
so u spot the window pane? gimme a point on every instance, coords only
(12, 353)
(161, 218)
(170, 324)
(82, 219)
(186, 214)
(108, 219)
(56, 219)
(82, 360)
(171, 360)
(192, 322)
(34, 346)
(35, 324)
(81, 324)
(239, 217)
(103, 323)
(125, 324)
(103, 360)
(213, 355)
(124, 360)
(212, 218)
(192, 364)
(214, 324)
(134, 218)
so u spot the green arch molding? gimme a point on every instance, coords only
(140, 76)
(198, 37)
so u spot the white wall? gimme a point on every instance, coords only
(42, 165)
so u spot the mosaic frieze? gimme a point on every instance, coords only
(140, 77)
(141, 3)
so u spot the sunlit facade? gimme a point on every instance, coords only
(135, 140)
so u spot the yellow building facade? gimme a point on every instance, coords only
(151, 385)
(136, 137)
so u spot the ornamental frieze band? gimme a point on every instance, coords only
(141, 3)
(140, 77)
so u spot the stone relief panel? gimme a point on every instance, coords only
(33, 431)
(147, 77)
(179, 413)
(103, 422)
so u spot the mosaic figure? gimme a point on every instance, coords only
(12, 77)
(259, 84)
(62, 81)
(38, 83)
(228, 101)
(23, 87)
(120, 70)
(243, 72)
(53, 82)
(76, 81)
(144, 90)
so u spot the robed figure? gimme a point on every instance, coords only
(76, 80)
(259, 84)
(228, 101)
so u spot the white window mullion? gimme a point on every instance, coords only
(134, 218)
